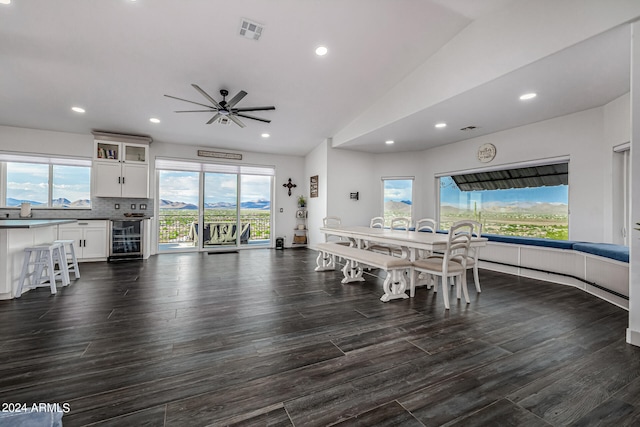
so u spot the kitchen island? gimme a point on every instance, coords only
(15, 235)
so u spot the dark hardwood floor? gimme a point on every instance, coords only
(259, 338)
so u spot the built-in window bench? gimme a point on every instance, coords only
(601, 269)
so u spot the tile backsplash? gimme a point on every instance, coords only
(101, 207)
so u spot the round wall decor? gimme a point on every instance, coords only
(486, 153)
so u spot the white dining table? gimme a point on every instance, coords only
(409, 241)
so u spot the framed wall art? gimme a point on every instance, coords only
(313, 189)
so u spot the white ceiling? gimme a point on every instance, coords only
(118, 58)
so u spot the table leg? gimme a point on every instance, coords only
(325, 261)
(395, 285)
(352, 272)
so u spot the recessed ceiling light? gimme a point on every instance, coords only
(5, 1)
(441, 125)
(389, 142)
(78, 109)
(528, 96)
(265, 135)
(154, 120)
(321, 51)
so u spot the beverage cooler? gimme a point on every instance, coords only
(126, 239)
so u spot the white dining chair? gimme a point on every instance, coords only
(453, 263)
(397, 223)
(334, 221)
(474, 253)
(400, 223)
(425, 225)
(378, 222)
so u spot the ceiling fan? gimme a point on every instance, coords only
(224, 109)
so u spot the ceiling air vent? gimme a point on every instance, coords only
(251, 30)
(469, 128)
(224, 120)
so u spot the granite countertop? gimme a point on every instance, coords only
(6, 224)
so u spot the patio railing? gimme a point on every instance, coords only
(177, 227)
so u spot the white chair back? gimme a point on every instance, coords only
(377, 222)
(400, 223)
(427, 225)
(458, 243)
(330, 221)
(334, 221)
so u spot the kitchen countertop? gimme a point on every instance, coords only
(6, 224)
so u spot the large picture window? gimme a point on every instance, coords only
(45, 182)
(531, 201)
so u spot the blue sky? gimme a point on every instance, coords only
(450, 194)
(396, 190)
(178, 186)
(28, 181)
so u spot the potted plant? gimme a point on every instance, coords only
(302, 202)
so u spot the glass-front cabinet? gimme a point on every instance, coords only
(120, 167)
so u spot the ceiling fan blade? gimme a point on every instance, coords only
(186, 100)
(253, 118)
(233, 101)
(236, 121)
(214, 118)
(206, 95)
(196, 111)
(255, 108)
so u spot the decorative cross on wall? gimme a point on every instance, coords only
(289, 185)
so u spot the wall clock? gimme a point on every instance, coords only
(486, 153)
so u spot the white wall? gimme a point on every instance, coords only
(45, 142)
(576, 136)
(350, 172)
(316, 163)
(633, 333)
(617, 128)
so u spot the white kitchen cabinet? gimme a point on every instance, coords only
(120, 169)
(90, 237)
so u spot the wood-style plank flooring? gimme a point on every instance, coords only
(259, 338)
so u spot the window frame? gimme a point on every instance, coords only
(7, 158)
(518, 165)
(397, 178)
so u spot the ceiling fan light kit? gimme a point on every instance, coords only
(224, 111)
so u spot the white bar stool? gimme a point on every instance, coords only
(44, 262)
(69, 253)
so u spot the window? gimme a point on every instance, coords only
(397, 198)
(45, 182)
(621, 194)
(532, 201)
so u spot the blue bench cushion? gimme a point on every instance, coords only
(531, 241)
(607, 250)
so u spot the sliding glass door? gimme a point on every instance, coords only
(178, 201)
(205, 206)
(255, 209)
(220, 209)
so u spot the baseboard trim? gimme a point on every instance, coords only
(633, 337)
